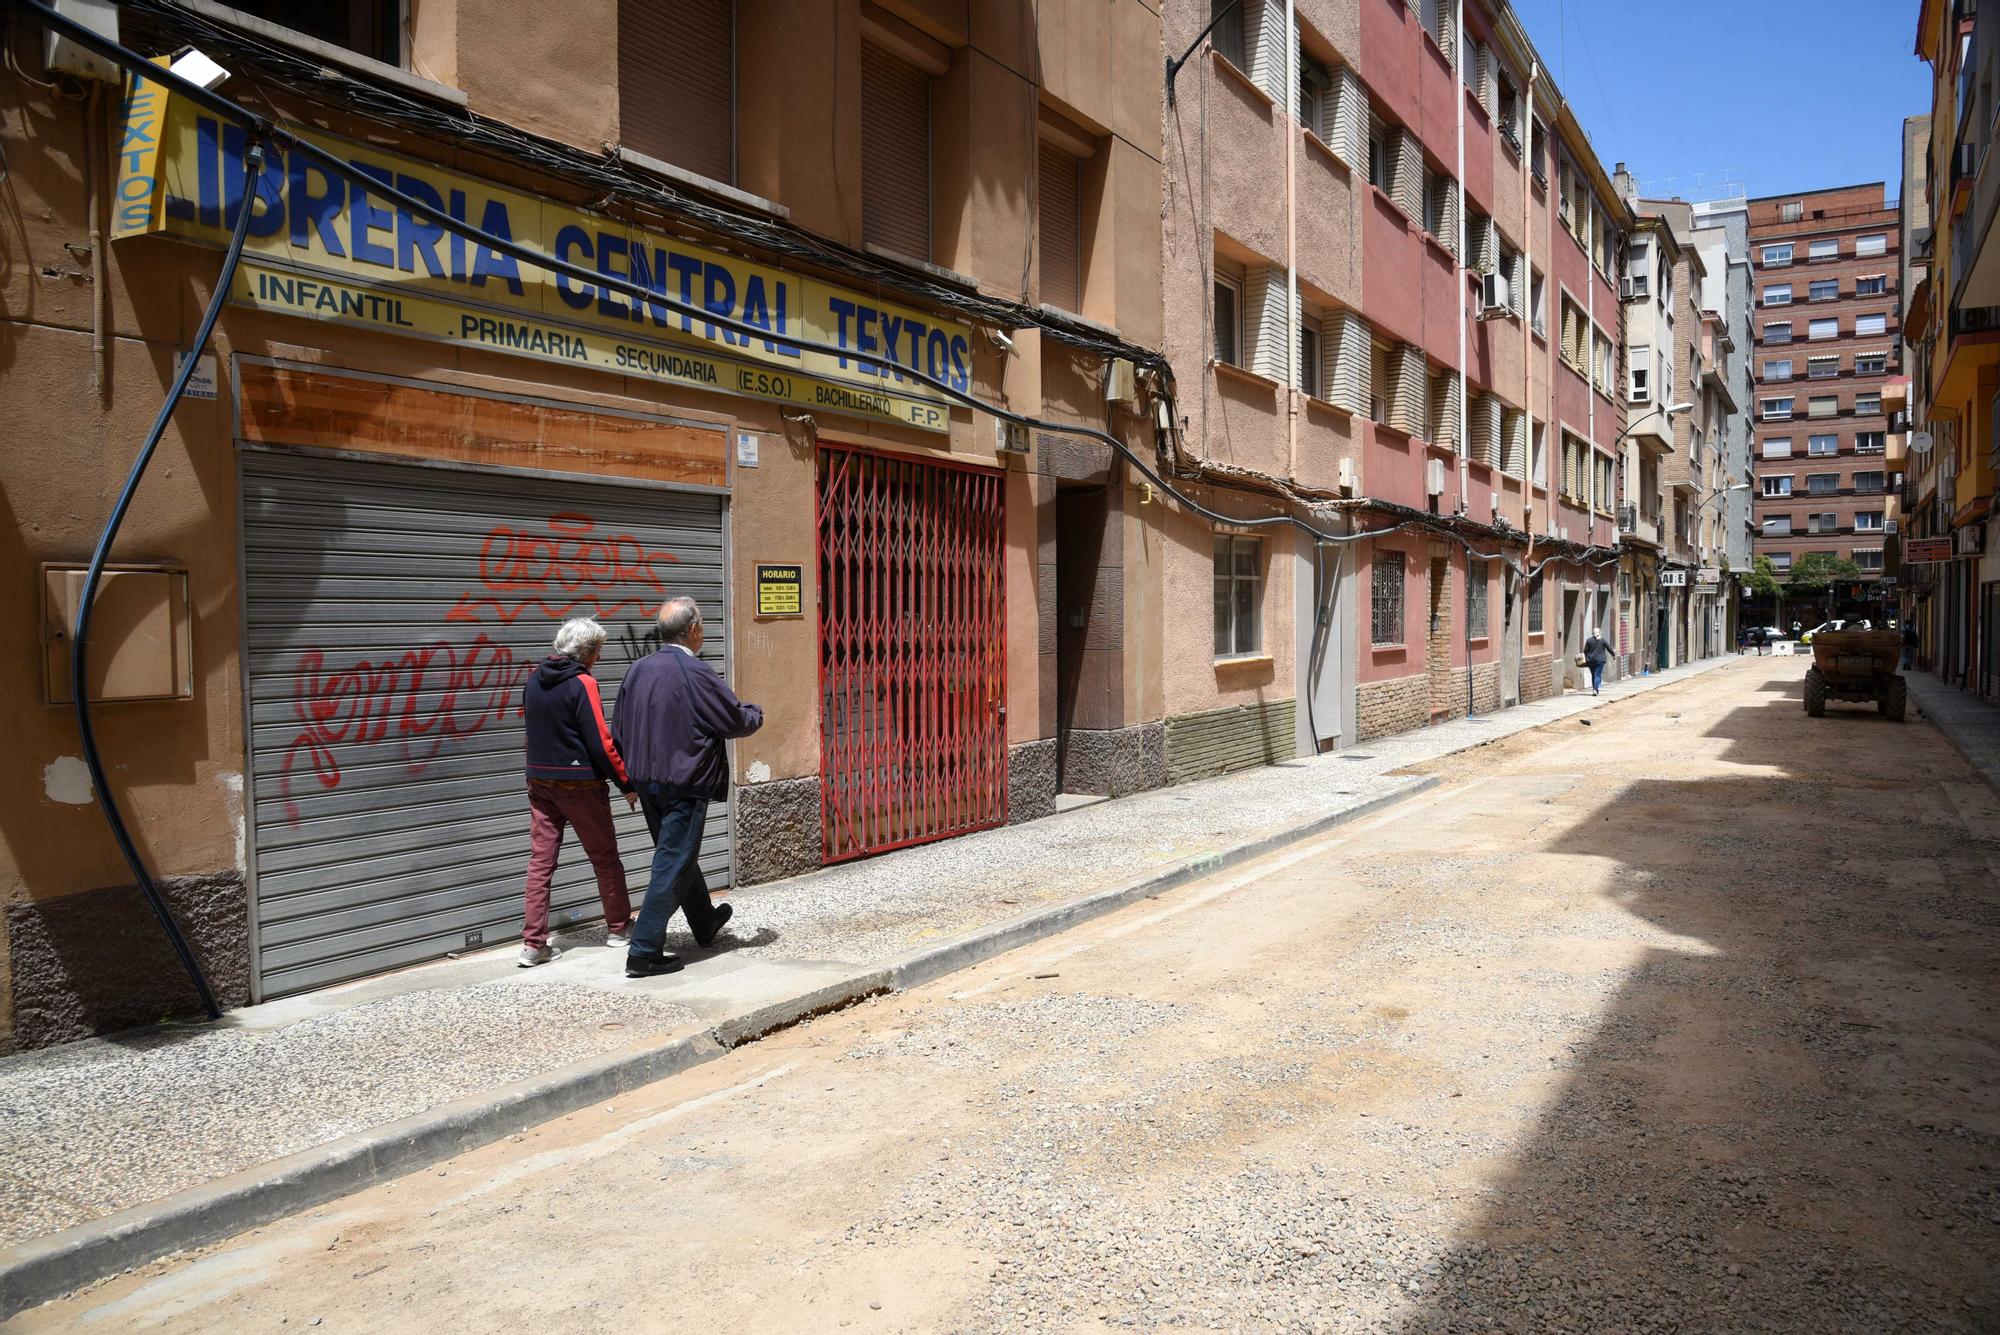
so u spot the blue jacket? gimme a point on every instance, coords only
(674, 714)
(568, 737)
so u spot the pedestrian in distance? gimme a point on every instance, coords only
(1596, 653)
(571, 756)
(1909, 645)
(674, 715)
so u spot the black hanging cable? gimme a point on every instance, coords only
(79, 645)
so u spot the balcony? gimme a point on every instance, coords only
(1639, 527)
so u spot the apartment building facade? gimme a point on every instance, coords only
(1445, 396)
(1354, 406)
(1827, 269)
(1951, 553)
(1722, 238)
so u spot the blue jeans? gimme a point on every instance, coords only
(1596, 676)
(676, 822)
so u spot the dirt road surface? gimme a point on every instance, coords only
(1681, 1017)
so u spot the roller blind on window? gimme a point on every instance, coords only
(895, 154)
(1060, 229)
(677, 83)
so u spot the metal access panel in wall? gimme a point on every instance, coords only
(392, 612)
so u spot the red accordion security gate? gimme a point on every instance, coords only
(912, 651)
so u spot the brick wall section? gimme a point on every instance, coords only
(1537, 676)
(1486, 687)
(1399, 704)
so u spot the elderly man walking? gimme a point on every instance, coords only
(571, 755)
(674, 714)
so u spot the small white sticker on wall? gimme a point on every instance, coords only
(746, 449)
(759, 772)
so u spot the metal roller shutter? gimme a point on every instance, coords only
(392, 612)
(895, 153)
(677, 84)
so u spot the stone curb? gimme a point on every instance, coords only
(43, 1269)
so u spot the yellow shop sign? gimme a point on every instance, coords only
(323, 248)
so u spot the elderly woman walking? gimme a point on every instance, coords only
(571, 755)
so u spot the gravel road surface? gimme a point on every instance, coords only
(1678, 1018)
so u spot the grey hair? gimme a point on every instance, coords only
(677, 617)
(579, 639)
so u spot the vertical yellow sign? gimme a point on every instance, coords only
(142, 123)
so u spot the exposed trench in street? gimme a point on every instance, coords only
(1680, 1016)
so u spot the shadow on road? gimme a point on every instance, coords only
(1787, 1119)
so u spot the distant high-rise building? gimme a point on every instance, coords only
(1826, 270)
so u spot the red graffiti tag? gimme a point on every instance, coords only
(570, 571)
(420, 699)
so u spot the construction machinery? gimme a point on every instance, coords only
(1856, 665)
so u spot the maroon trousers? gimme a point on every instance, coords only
(586, 806)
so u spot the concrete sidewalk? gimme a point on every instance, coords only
(121, 1149)
(1969, 723)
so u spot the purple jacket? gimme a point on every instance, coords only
(674, 714)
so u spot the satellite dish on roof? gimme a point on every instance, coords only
(1920, 442)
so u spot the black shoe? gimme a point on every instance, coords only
(722, 912)
(650, 966)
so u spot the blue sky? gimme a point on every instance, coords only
(1777, 95)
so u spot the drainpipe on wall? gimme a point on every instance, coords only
(1527, 304)
(1458, 276)
(1292, 242)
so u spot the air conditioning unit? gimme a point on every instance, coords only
(1347, 483)
(1434, 478)
(1628, 288)
(1628, 518)
(1492, 295)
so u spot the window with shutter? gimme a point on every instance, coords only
(1265, 322)
(1266, 52)
(1409, 409)
(1344, 117)
(895, 154)
(1444, 392)
(1514, 432)
(1059, 229)
(1483, 419)
(677, 84)
(1406, 174)
(1348, 351)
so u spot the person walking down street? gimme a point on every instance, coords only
(571, 756)
(674, 715)
(1596, 653)
(1909, 645)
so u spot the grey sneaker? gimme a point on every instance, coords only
(530, 957)
(619, 938)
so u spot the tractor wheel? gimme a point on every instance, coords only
(1896, 699)
(1816, 693)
